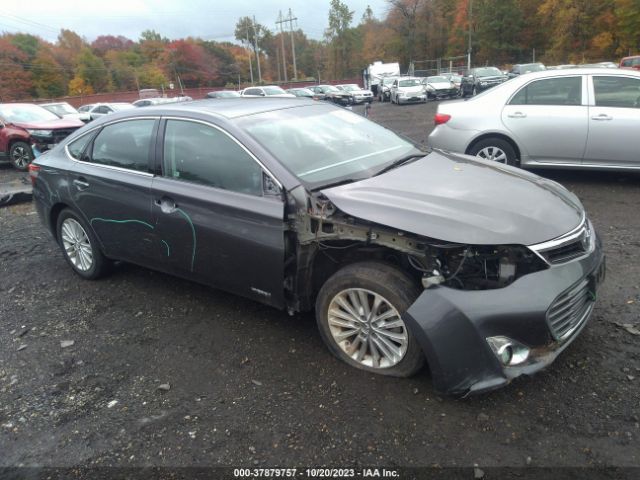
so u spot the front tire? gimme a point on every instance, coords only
(21, 155)
(359, 314)
(495, 149)
(80, 246)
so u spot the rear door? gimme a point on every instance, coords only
(614, 121)
(549, 119)
(111, 187)
(217, 221)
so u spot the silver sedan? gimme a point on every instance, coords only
(579, 118)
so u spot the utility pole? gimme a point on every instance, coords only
(279, 22)
(291, 18)
(250, 64)
(278, 61)
(256, 48)
(470, 26)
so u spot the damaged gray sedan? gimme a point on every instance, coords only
(481, 271)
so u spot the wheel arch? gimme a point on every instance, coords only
(501, 136)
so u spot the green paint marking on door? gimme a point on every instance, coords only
(108, 220)
(168, 248)
(193, 232)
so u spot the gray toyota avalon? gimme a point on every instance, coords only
(482, 271)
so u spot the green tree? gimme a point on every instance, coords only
(49, 78)
(93, 71)
(339, 37)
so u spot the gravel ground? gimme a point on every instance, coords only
(163, 372)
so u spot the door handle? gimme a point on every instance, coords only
(517, 115)
(81, 183)
(166, 204)
(602, 117)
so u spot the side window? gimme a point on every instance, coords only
(124, 144)
(78, 146)
(202, 154)
(621, 92)
(550, 91)
(252, 91)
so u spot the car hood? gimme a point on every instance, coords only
(414, 89)
(461, 199)
(51, 124)
(441, 85)
(360, 92)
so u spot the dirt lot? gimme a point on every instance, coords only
(246, 385)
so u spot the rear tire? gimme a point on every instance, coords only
(495, 149)
(80, 246)
(358, 311)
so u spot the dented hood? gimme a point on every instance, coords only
(462, 199)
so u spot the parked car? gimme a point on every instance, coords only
(403, 255)
(306, 93)
(26, 130)
(86, 108)
(407, 90)
(631, 62)
(549, 119)
(480, 79)
(358, 95)
(332, 94)
(384, 88)
(608, 64)
(522, 68)
(439, 86)
(64, 110)
(98, 110)
(455, 79)
(266, 91)
(223, 94)
(148, 102)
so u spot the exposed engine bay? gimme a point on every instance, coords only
(340, 238)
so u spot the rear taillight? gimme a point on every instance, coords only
(33, 173)
(441, 118)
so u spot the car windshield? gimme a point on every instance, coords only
(26, 113)
(121, 106)
(412, 82)
(488, 72)
(322, 145)
(437, 79)
(273, 91)
(388, 80)
(61, 109)
(331, 88)
(350, 88)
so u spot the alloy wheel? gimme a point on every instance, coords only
(368, 328)
(494, 154)
(20, 157)
(76, 244)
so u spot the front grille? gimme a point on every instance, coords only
(565, 252)
(61, 134)
(570, 310)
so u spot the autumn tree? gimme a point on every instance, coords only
(15, 81)
(49, 78)
(339, 37)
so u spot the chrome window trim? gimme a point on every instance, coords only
(109, 167)
(234, 139)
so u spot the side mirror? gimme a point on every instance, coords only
(262, 94)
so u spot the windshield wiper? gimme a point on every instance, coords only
(335, 184)
(401, 161)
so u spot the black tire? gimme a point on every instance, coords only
(100, 265)
(495, 143)
(386, 281)
(20, 155)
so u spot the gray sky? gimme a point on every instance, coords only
(211, 20)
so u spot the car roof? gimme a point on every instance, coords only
(231, 108)
(569, 72)
(48, 104)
